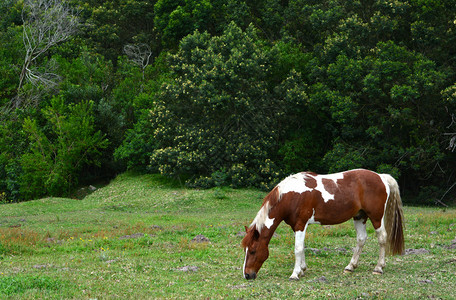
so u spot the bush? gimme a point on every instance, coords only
(220, 113)
(137, 146)
(13, 143)
(58, 153)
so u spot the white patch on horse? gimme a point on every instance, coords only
(269, 222)
(300, 260)
(312, 219)
(297, 183)
(294, 183)
(321, 187)
(262, 218)
(245, 261)
(385, 179)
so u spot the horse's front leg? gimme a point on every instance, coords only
(300, 261)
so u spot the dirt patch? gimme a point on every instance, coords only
(313, 250)
(322, 279)
(200, 239)
(326, 249)
(45, 266)
(416, 251)
(239, 286)
(188, 269)
(131, 236)
(453, 260)
(452, 245)
(110, 261)
(425, 281)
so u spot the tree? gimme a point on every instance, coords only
(45, 24)
(139, 54)
(111, 24)
(452, 135)
(449, 94)
(175, 19)
(383, 108)
(220, 116)
(56, 156)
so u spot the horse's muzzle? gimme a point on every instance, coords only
(249, 276)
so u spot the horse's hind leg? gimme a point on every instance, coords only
(361, 236)
(381, 236)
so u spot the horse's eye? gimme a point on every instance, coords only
(252, 252)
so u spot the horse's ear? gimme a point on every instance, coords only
(256, 233)
(246, 228)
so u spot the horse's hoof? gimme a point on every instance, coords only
(293, 278)
(377, 272)
(347, 271)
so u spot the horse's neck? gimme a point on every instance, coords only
(270, 214)
(267, 233)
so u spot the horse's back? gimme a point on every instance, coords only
(352, 192)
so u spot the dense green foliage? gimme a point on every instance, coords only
(229, 92)
(53, 164)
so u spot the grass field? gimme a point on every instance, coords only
(133, 240)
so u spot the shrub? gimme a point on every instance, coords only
(58, 153)
(220, 111)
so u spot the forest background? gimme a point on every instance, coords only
(231, 92)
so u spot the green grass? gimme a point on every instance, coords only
(133, 238)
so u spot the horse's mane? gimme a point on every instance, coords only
(269, 202)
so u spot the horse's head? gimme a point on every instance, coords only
(256, 252)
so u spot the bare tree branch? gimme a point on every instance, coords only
(439, 201)
(44, 75)
(452, 143)
(139, 54)
(45, 24)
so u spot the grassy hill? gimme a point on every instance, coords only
(135, 239)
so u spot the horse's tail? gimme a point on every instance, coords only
(394, 218)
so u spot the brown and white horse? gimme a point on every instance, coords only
(307, 198)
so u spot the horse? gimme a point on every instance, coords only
(308, 198)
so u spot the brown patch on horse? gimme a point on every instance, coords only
(374, 196)
(357, 190)
(311, 182)
(329, 185)
(297, 208)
